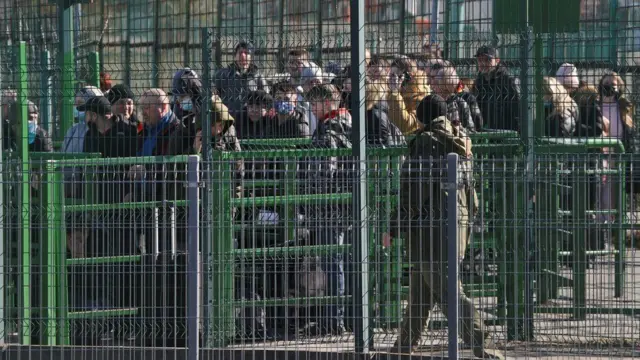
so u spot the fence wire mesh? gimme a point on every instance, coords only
(188, 175)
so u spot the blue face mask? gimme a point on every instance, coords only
(186, 105)
(284, 107)
(78, 115)
(33, 126)
(548, 105)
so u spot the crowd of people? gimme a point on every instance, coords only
(405, 97)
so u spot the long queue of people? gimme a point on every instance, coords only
(403, 97)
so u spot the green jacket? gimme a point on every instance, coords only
(422, 197)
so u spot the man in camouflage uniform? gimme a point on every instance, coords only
(422, 221)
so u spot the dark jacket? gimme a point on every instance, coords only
(121, 140)
(590, 121)
(165, 181)
(328, 175)
(474, 109)
(295, 126)
(234, 85)
(380, 130)
(248, 129)
(41, 143)
(562, 123)
(498, 95)
(459, 112)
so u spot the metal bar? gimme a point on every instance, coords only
(45, 87)
(453, 296)
(403, 20)
(193, 263)
(187, 40)
(433, 29)
(61, 256)
(155, 236)
(206, 40)
(449, 22)
(362, 329)
(613, 33)
(53, 233)
(24, 204)
(101, 43)
(94, 69)
(155, 59)
(218, 34)
(252, 22)
(4, 280)
(174, 232)
(67, 63)
(528, 139)
(281, 37)
(127, 46)
(320, 29)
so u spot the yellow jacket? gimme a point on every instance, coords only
(403, 103)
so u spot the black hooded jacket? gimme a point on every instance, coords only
(498, 96)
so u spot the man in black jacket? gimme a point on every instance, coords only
(497, 92)
(291, 121)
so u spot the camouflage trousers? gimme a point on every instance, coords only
(428, 286)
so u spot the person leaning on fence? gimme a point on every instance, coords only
(236, 81)
(163, 135)
(122, 106)
(290, 121)
(328, 223)
(407, 87)
(421, 220)
(497, 92)
(561, 112)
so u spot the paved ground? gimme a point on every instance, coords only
(557, 336)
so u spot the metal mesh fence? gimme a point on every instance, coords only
(181, 177)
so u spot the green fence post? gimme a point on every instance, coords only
(578, 237)
(206, 237)
(45, 88)
(222, 268)
(24, 195)
(94, 69)
(66, 62)
(53, 233)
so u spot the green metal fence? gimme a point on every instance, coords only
(536, 265)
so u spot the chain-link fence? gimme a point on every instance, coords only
(262, 175)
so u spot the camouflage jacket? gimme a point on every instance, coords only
(422, 198)
(332, 133)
